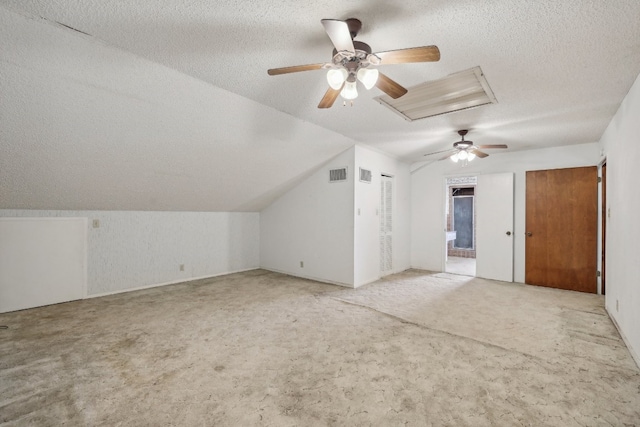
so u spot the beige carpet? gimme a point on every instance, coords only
(261, 348)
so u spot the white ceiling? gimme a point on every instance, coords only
(559, 69)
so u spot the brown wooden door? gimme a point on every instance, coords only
(561, 228)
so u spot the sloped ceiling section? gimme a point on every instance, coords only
(559, 69)
(167, 104)
(84, 125)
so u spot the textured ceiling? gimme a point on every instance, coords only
(167, 105)
(559, 69)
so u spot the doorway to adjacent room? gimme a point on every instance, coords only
(460, 214)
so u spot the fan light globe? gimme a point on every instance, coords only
(471, 156)
(373, 59)
(368, 77)
(462, 155)
(336, 78)
(454, 158)
(349, 91)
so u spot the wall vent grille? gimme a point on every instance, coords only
(338, 175)
(365, 175)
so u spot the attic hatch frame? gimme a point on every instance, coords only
(456, 92)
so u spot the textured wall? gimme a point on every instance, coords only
(133, 249)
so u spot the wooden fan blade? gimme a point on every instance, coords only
(329, 98)
(294, 69)
(493, 146)
(389, 86)
(413, 54)
(338, 32)
(478, 153)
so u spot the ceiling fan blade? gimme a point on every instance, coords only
(438, 152)
(413, 54)
(389, 86)
(329, 98)
(448, 155)
(493, 146)
(478, 153)
(338, 32)
(294, 69)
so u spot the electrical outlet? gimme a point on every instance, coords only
(301, 264)
(96, 223)
(181, 267)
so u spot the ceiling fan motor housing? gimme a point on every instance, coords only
(353, 62)
(462, 145)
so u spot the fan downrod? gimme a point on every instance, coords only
(355, 25)
(463, 144)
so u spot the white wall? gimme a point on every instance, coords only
(312, 223)
(428, 195)
(318, 223)
(621, 144)
(42, 261)
(135, 249)
(367, 219)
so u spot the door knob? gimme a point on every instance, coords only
(528, 233)
(508, 233)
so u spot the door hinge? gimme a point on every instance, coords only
(597, 274)
(599, 179)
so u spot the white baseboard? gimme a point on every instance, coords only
(315, 279)
(439, 270)
(634, 355)
(173, 282)
(366, 282)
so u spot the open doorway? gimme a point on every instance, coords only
(460, 213)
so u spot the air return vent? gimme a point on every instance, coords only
(459, 91)
(338, 175)
(365, 175)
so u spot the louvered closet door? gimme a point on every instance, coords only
(386, 225)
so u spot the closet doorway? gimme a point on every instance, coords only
(386, 225)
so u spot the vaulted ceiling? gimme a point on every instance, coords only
(559, 69)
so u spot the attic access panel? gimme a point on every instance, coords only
(458, 91)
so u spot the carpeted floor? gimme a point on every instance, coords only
(261, 348)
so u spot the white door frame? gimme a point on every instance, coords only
(466, 179)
